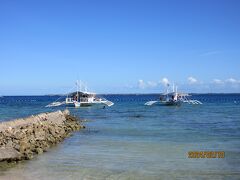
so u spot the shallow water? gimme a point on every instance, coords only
(133, 141)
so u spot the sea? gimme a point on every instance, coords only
(132, 141)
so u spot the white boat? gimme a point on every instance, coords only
(82, 99)
(173, 98)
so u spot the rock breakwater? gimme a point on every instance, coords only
(21, 139)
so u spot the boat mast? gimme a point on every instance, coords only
(77, 89)
(80, 85)
(176, 93)
(167, 89)
(85, 88)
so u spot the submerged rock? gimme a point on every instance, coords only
(23, 138)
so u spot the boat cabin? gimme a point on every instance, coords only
(80, 97)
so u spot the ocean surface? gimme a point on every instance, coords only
(133, 141)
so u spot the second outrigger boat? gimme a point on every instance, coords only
(173, 99)
(82, 99)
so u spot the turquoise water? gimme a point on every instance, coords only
(133, 141)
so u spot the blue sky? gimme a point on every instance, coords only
(122, 46)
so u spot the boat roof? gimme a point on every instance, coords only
(180, 94)
(81, 93)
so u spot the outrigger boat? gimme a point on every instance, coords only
(82, 99)
(173, 99)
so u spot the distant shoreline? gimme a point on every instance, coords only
(122, 94)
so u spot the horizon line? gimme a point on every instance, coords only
(123, 94)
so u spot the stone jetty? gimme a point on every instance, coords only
(22, 139)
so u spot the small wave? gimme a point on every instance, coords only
(136, 116)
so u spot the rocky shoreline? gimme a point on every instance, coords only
(22, 139)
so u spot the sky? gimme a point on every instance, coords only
(120, 46)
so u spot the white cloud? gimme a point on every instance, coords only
(218, 81)
(193, 85)
(129, 86)
(192, 80)
(141, 84)
(229, 80)
(151, 84)
(232, 80)
(165, 82)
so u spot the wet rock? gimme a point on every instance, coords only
(39, 150)
(28, 155)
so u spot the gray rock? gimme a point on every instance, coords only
(9, 154)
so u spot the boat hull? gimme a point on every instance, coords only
(94, 103)
(171, 103)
